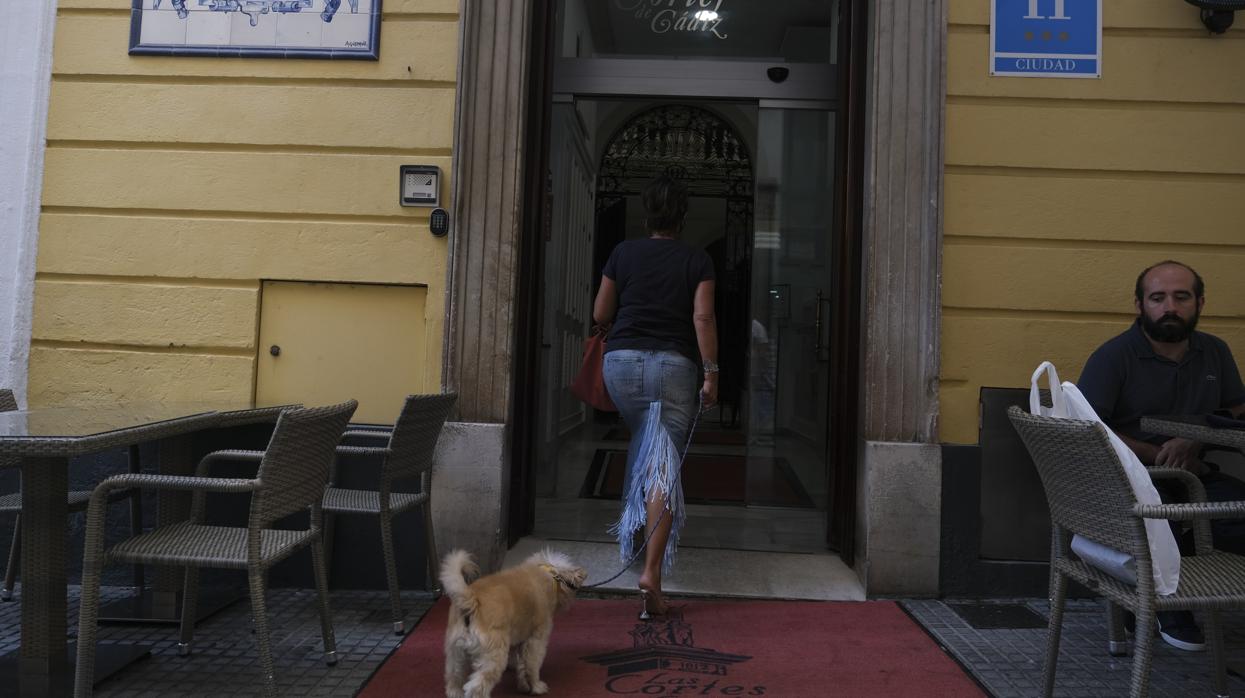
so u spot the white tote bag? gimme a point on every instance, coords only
(1068, 402)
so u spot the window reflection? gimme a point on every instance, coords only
(789, 31)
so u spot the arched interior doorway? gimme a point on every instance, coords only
(705, 151)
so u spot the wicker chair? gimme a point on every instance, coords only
(12, 504)
(407, 453)
(293, 473)
(1089, 494)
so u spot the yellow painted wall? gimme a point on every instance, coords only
(1058, 192)
(173, 186)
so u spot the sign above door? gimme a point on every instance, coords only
(800, 31)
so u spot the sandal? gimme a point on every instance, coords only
(652, 600)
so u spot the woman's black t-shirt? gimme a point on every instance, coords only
(656, 280)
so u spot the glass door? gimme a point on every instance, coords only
(787, 395)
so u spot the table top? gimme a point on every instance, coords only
(1194, 427)
(69, 431)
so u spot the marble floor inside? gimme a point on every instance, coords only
(736, 549)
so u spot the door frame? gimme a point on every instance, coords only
(692, 79)
(529, 308)
(901, 159)
(807, 87)
(843, 415)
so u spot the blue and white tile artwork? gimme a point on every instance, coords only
(305, 28)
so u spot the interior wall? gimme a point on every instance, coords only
(567, 285)
(174, 185)
(1058, 192)
(576, 38)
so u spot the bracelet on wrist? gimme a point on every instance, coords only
(711, 367)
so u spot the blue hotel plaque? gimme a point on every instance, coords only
(1046, 38)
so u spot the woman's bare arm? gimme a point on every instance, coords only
(706, 323)
(607, 302)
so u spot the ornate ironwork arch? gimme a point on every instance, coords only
(690, 143)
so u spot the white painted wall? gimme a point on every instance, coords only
(25, 79)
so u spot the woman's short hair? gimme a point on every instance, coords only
(665, 204)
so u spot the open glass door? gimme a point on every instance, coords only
(788, 384)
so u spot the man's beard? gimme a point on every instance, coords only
(1169, 329)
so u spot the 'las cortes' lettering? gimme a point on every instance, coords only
(664, 684)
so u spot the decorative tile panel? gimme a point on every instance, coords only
(256, 28)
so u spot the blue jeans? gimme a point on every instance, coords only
(656, 392)
(636, 379)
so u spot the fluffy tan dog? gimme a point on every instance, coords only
(503, 618)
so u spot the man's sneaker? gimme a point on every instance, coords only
(1178, 629)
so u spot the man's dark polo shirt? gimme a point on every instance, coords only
(1125, 380)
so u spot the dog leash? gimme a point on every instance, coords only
(690, 432)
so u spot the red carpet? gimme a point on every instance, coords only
(719, 648)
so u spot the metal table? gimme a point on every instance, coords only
(1194, 427)
(43, 441)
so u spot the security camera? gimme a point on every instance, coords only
(1217, 15)
(778, 73)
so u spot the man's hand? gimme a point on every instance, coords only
(1181, 453)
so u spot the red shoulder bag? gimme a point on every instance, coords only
(589, 383)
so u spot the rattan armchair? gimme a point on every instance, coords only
(293, 473)
(407, 453)
(1089, 494)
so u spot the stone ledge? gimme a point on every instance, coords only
(899, 506)
(470, 481)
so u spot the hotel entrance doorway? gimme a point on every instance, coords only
(742, 107)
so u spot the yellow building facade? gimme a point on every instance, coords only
(183, 196)
(175, 187)
(1058, 192)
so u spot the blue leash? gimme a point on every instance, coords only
(692, 430)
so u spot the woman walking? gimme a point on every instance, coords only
(661, 348)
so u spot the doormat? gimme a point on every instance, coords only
(708, 479)
(702, 437)
(998, 616)
(708, 648)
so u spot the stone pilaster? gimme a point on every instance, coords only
(899, 481)
(902, 238)
(487, 216)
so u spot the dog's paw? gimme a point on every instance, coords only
(452, 693)
(539, 688)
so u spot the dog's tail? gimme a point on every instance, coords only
(457, 572)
